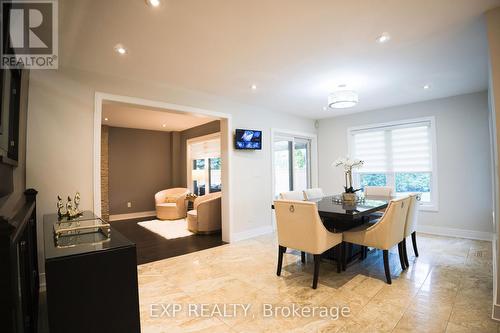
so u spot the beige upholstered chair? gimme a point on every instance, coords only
(384, 234)
(206, 217)
(292, 195)
(411, 226)
(300, 228)
(378, 191)
(313, 194)
(171, 203)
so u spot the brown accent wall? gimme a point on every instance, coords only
(104, 173)
(139, 166)
(210, 128)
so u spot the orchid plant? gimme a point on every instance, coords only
(348, 164)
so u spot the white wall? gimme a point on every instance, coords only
(463, 157)
(493, 28)
(60, 140)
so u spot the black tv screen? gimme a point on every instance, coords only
(248, 139)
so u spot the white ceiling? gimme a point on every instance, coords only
(131, 116)
(295, 51)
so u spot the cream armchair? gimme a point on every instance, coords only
(300, 228)
(411, 226)
(171, 203)
(206, 217)
(384, 234)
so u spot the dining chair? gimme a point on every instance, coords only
(378, 191)
(313, 194)
(292, 195)
(411, 226)
(384, 234)
(299, 227)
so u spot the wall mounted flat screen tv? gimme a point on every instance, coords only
(248, 139)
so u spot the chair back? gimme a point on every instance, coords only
(389, 231)
(313, 194)
(175, 192)
(292, 195)
(206, 197)
(299, 225)
(412, 216)
(378, 191)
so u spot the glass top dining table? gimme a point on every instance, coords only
(329, 207)
(342, 215)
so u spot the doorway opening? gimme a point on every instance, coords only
(142, 183)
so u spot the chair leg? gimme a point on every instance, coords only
(405, 253)
(344, 255)
(401, 255)
(317, 260)
(303, 257)
(363, 253)
(414, 240)
(281, 251)
(338, 255)
(386, 267)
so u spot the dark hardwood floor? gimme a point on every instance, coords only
(152, 247)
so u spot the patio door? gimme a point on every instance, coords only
(292, 163)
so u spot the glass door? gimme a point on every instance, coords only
(283, 176)
(292, 164)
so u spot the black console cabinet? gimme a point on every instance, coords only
(91, 287)
(19, 283)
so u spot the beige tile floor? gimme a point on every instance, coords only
(448, 288)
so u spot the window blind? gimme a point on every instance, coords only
(401, 148)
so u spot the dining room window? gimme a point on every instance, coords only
(400, 155)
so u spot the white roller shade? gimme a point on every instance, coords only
(401, 148)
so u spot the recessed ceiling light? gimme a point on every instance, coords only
(253, 87)
(153, 3)
(426, 86)
(383, 38)
(105, 119)
(120, 49)
(164, 125)
(324, 108)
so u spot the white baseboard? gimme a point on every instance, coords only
(251, 233)
(452, 232)
(495, 313)
(118, 217)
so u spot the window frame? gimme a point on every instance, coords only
(190, 160)
(433, 205)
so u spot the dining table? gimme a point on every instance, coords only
(339, 216)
